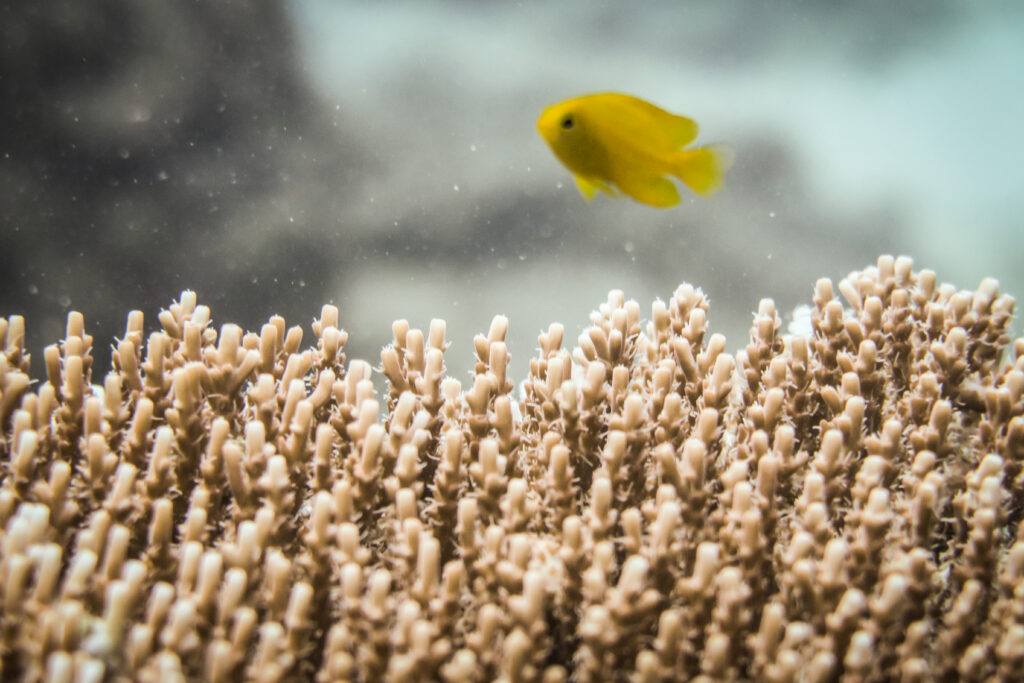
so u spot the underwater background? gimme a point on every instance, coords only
(276, 156)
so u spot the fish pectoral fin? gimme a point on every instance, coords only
(590, 186)
(654, 191)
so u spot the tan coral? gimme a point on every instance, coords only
(228, 505)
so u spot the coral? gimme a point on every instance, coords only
(226, 505)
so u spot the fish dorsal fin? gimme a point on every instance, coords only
(679, 130)
(637, 119)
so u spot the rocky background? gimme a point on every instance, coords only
(274, 156)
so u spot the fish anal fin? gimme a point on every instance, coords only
(658, 192)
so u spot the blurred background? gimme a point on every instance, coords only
(275, 156)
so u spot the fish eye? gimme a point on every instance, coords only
(567, 122)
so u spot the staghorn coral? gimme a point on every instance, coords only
(226, 505)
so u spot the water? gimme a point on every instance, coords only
(384, 158)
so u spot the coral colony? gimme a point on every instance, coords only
(646, 507)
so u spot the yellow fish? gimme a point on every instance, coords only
(611, 141)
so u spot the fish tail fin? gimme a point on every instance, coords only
(702, 169)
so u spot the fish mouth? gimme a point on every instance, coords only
(547, 123)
